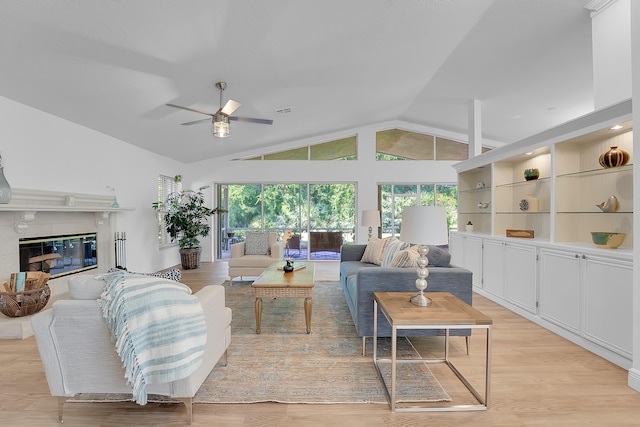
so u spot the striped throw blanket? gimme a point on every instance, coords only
(158, 327)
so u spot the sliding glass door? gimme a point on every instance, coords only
(313, 219)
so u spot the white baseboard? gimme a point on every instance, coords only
(633, 379)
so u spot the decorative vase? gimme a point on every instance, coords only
(613, 157)
(5, 188)
(529, 204)
(530, 174)
(288, 267)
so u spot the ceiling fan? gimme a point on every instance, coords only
(222, 117)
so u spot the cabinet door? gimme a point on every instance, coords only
(456, 243)
(560, 288)
(473, 258)
(609, 303)
(520, 263)
(493, 267)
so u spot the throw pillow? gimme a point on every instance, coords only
(405, 258)
(256, 244)
(390, 251)
(438, 257)
(173, 274)
(374, 250)
(85, 287)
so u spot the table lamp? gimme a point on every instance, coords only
(371, 219)
(424, 225)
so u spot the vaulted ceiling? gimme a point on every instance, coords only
(114, 65)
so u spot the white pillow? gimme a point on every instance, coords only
(85, 287)
(405, 258)
(374, 250)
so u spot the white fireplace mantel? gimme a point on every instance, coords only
(27, 203)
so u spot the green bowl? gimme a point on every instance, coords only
(607, 239)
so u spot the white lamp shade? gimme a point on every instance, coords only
(371, 218)
(424, 225)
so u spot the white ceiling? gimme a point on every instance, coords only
(113, 65)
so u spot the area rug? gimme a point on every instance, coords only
(284, 364)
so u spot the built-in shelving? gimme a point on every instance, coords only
(559, 278)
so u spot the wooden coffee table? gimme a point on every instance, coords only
(274, 283)
(445, 312)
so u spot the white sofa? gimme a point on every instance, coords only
(79, 356)
(241, 264)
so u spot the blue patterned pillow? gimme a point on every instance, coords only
(390, 251)
(256, 244)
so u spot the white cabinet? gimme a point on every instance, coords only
(609, 303)
(521, 275)
(493, 265)
(510, 272)
(466, 252)
(590, 296)
(560, 295)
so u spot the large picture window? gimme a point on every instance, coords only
(166, 186)
(313, 219)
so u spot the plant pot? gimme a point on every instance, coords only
(190, 258)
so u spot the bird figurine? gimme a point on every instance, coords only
(611, 205)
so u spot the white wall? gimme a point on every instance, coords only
(366, 172)
(44, 152)
(634, 373)
(611, 35)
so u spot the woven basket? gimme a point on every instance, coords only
(190, 258)
(18, 304)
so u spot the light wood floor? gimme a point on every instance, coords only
(538, 379)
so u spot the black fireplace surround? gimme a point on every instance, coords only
(59, 255)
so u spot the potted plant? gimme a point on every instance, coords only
(186, 219)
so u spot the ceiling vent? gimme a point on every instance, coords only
(282, 111)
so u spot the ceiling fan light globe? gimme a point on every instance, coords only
(221, 126)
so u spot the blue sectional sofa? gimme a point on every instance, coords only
(360, 279)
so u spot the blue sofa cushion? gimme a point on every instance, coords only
(349, 268)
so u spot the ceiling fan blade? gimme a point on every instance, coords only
(251, 120)
(196, 122)
(230, 107)
(189, 109)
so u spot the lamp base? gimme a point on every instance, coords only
(421, 300)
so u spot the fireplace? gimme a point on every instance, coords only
(59, 255)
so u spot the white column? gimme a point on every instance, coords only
(611, 45)
(475, 128)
